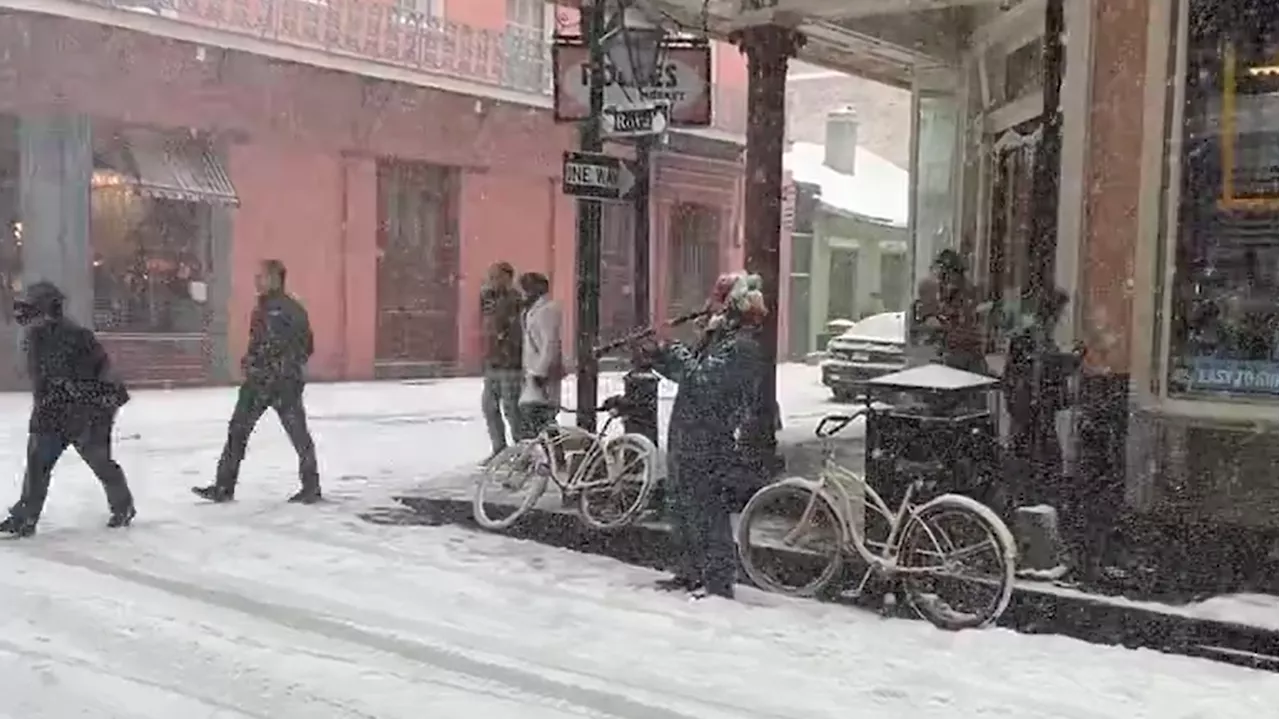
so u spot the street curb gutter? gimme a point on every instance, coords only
(1033, 610)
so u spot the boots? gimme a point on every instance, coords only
(309, 494)
(122, 518)
(214, 493)
(18, 527)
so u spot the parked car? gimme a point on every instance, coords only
(872, 347)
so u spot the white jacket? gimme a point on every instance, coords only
(541, 354)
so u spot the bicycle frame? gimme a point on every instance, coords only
(832, 487)
(555, 436)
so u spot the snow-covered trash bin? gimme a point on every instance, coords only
(1040, 549)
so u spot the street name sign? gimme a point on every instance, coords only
(643, 119)
(597, 176)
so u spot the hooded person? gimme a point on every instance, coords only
(718, 380)
(75, 398)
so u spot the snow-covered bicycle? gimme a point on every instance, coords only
(610, 477)
(919, 546)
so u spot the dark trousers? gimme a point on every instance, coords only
(699, 505)
(501, 396)
(91, 436)
(285, 397)
(1036, 454)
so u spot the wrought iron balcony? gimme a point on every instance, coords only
(512, 59)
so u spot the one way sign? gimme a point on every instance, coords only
(597, 176)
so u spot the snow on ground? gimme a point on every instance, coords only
(265, 610)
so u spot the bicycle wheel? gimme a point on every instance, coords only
(789, 539)
(945, 537)
(511, 484)
(618, 503)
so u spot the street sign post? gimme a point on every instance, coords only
(597, 176)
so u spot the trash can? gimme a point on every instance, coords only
(939, 415)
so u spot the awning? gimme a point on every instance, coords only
(179, 170)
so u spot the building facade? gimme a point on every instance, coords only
(1166, 233)
(387, 152)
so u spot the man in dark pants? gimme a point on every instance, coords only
(500, 308)
(74, 402)
(280, 343)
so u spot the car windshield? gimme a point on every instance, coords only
(886, 327)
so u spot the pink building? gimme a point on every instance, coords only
(387, 157)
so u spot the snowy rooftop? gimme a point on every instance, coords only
(878, 189)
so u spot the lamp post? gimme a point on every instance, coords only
(636, 59)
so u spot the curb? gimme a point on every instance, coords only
(1034, 609)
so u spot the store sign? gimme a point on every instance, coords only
(682, 78)
(1208, 374)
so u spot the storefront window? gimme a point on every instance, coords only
(148, 260)
(1223, 339)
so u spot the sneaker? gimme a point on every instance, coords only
(306, 496)
(121, 519)
(214, 493)
(17, 527)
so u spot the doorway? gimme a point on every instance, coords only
(417, 295)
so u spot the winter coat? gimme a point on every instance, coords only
(500, 315)
(1031, 345)
(71, 378)
(542, 358)
(947, 319)
(280, 340)
(718, 387)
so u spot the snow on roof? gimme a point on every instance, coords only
(878, 189)
(935, 377)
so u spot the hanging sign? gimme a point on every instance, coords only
(682, 78)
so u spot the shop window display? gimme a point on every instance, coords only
(148, 260)
(1223, 339)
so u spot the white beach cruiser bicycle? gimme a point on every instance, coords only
(610, 477)
(926, 547)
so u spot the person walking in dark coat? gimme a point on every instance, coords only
(280, 343)
(74, 402)
(718, 382)
(500, 309)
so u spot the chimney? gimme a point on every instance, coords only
(841, 140)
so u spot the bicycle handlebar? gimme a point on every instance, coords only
(837, 421)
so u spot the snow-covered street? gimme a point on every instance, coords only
(273, 611)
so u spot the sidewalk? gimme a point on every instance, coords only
(1212, 631)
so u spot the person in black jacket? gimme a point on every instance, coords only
(280, 343)
(718, 381)
(74, 402)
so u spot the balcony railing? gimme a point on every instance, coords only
(511, 59)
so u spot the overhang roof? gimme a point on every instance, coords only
(879, 39)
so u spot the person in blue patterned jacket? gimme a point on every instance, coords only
(718, 381)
